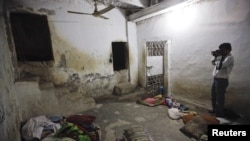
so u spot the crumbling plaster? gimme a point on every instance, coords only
(80, 70)
(81, 51)
(10, 115)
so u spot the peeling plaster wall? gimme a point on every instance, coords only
(9, 106)
(81, 45)
(194, 32)
(81, 48)
(133, 53)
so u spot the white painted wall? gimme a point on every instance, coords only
(195, 31)
(133, 52)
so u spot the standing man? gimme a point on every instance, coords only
(223, 62)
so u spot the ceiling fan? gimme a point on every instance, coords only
(96, 13)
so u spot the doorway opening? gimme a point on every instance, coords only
(155, 67)
(120, 55)
(31, 37)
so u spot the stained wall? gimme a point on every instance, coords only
(80, 71)
(81, 44)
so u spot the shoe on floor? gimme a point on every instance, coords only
(220, 115)
(211, 111)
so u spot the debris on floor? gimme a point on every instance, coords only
(117, 116)
(195, 124)
(72, 128)
(152, 101)
(160, 100)
(136, 133)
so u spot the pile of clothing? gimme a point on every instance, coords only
(72, 128)
(160, 100)
(152, 101)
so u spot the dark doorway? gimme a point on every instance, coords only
(31, 37)
(120, 55)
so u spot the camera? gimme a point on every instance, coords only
(216, 53)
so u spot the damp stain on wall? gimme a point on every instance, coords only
(188, 90)
(72, 68)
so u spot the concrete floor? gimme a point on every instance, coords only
(116, 113)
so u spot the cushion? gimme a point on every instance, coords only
(136, 133)
(195, 128)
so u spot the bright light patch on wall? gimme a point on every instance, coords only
(181, 18)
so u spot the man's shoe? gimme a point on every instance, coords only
(211, 111)
(219, 116)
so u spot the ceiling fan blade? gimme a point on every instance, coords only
(95, 5)
(105, 9)
(75, 12)
(96, 13)
(101, 16)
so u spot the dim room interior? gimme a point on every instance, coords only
(64, 57)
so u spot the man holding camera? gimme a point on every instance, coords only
(223, 62)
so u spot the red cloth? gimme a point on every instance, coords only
(78, 119)
(152, 101)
